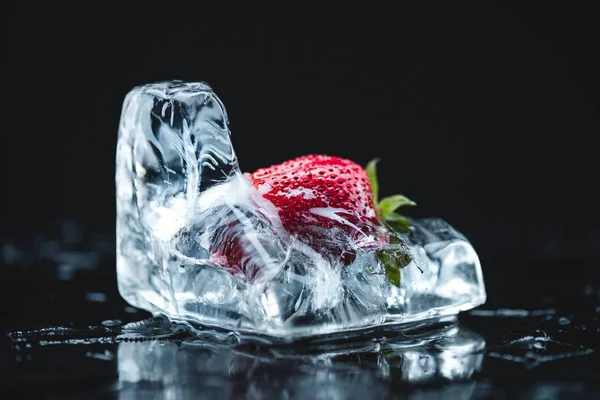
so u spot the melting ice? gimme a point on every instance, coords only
(181, 196)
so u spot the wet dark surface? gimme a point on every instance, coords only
(72, 336)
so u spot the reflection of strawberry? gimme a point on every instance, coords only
(325, 202)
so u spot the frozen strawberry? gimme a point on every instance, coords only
(327, 203)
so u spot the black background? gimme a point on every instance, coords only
(485, 114)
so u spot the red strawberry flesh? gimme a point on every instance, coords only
(319, 191)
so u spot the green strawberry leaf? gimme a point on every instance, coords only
(371, 170)
(388, 205)
(398, 222)
(393, 260)
(393, 275)
(386, 208)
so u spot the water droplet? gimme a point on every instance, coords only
(95, 297)
(112, 323)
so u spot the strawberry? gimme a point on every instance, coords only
(327, 202)
(315, 194)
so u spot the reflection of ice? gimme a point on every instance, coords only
(343, 370)
(182, 201)
(455, 356)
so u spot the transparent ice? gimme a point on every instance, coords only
(181, 195)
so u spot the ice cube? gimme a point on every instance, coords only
(182, 200)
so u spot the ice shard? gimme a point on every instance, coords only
(181, 196)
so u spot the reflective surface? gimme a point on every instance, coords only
(334, 371)
(72, 336)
